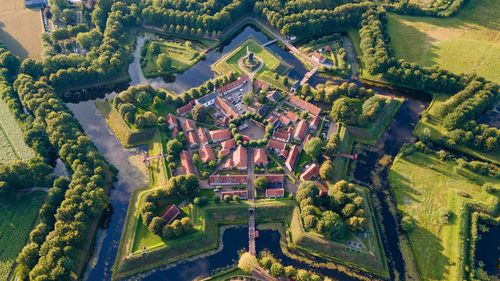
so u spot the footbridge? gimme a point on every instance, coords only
(270, 43)
(308, 75)
(251, 231)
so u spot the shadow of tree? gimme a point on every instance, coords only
(12, 43)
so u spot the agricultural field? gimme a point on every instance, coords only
(18, 214)
(466, 43)
(433, 192)
(182, 55)
(12, 146)
(21, 29)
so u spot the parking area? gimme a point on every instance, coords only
(235, 99)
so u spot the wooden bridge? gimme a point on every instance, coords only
(269, 43)
(350, 156)
(251, 231)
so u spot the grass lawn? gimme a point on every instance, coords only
(433, 123)
(426, 188)
(18, 214)
(21, 28)
(227, 275)
(11, 145)
(466, 43)
(183, 55)
(271, 63)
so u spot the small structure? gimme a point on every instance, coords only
(311, 172)
(275, 192)
(243, 194)
(292, 158)
(317, 57)
(323, 191)
(35, 3)
(187, 163)
(188, 125)
(192, 139)
(172, 121)
(225, 180)
(220, 135)
(202, 136)
(207, 100)
(170, 213)
(314, 123)
(273, 96)
(262, 111)
(284, 120)
(185, 109)
(261, 85)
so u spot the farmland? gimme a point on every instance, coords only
(17, 216)
(12, 146)
(466, 43)
(21, 28)
(425, 188)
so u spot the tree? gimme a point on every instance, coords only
(247, 262)
(313, 147)
(164, 62)
(306, 189)
(198, 112)
(277, 270)
(247, 98)
(304, 114)
(156, 225)
(345, 110)
(331, 225)
(261, 183)
(174, 147)
(326, 170)
(407, 223)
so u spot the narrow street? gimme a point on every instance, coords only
(251, 175)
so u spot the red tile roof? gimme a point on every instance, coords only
(227, 179)
(184, 109)
(187, 163)
(275, 192)
(172, 121)
(260, 156)
(307, 138)
(318, 56)
(170, 213)
(309, 173)
(292, 158)
(261, 85)
(225, 108)
(240, 158)
(281, 136)
(277, 145)
(232, 85)
(188, 125)
(284, 120)
(241, 193)
(300, 130)
(175, 131)
(207, 154)
(314, 110)
(323, 191)
(192, 139)
(314, 122)
(220, 135)
(228, 144)
(202, 136)
(292, 116)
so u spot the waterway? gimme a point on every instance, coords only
(132, 173)
(488, 250)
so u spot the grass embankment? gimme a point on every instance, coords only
(466, 43)
(20, 29)
(182, 54)
(128, 137)
(426, 189)
(18, 214)
(271, 63)
(437, 132)
(12, 146)
(371, 257)
(231, 274)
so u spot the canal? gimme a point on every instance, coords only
(132, 173)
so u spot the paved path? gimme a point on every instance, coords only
(251, 175)
(351, 55)
(251, 232)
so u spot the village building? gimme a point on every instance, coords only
(243, 194)
(275, 193)
(226, 109)
(207, 154)
(281, 135)
(235, 85)
(226, 147)
(314, 123)
(262, 111)
(202, 136)
(225, 180)
(323, 190)
(273, 96)
(220, 135)
(175, 131)
(311, 172)
(304, 105)
(172, 121)
(307, 138)
(187, 163)
(185, 109)
(192, 139)
(260, 157)
(188, 125)
(317, 57)
(292, 158)
(207, 100)
(171, 212)
(275, 181)
(284, 120)
(300, 131)
(292, 116)
(240, 158)
(261, 85)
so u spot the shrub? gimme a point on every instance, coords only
(407, 224)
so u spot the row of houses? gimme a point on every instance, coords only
(239, 159)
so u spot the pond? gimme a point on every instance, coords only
(488, 250)
(133, 174)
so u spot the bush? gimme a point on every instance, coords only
(407, 224)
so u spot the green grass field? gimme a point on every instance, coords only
(271, 64)
(183, 55)
(466, 43)
(17, 217)
(426, 188)
(12, 146)
(437, 131)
